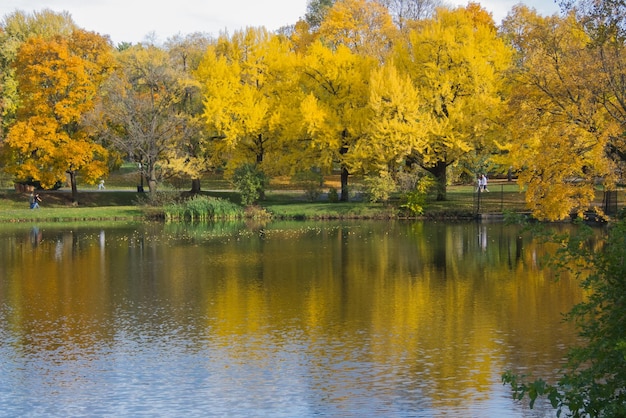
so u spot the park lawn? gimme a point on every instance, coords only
(66, 214)
(57, 206)
(281, 202)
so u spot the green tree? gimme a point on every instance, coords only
(593, 381)
(58, 82)
(250, 182)
(316, 11)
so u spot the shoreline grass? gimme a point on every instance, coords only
(280, 203)
(72, 214)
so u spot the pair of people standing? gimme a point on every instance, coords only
(482, 183)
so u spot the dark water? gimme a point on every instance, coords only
(292, 319)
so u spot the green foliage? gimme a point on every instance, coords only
(415, 200)
(333, 195)
(533, 390)
(311, 182)
(379, 188)
(202, 208)
(250, 182)
(594, 378)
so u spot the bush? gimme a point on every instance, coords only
(202, 208)
(415, 200)
(379, 188)
(310, 182)
(250, 182)
(157, 199)
(594, 378)
(333, 195)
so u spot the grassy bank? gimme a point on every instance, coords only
(126, 204)
(121, 201)
(58, 206)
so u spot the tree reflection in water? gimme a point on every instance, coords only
(305, 318)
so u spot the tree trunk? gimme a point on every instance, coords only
(260, 153)
(152, 182)
(72, 175)
(344, 184)
(440, 171)
(195, 186)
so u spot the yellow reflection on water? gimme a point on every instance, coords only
(427, 316)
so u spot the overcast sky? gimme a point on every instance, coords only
(132, 20)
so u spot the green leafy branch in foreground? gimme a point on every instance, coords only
(593, 382)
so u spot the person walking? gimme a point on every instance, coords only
(33, 200)
(483, 183)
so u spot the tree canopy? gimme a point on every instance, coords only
(58, 79)
(359, 86)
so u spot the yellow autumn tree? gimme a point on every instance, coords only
(397, 122)
(457, 62)
(58, 80)
(190, 157)
(364, 26)
(559, 127)
(335, 112)
(245, 80)
(15, 29)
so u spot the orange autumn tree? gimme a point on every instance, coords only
(58, 80)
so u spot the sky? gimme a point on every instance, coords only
(133, 20)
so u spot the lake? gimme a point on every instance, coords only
(287, 319)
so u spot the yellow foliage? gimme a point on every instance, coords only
(559, 129)
(58, 81)
(245, 79)
(398, 122)
(335, 113)
(457, 62)
(364, 26)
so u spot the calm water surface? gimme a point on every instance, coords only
(290, 319)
